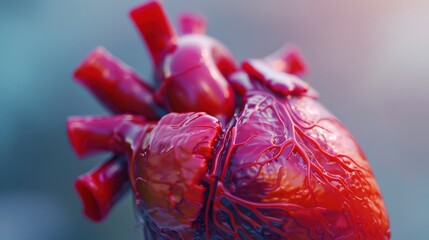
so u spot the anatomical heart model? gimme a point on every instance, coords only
(220, 150)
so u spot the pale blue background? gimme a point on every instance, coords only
(369, 60)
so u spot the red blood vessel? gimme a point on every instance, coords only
(218, 150)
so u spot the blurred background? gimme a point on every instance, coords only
(368, 60)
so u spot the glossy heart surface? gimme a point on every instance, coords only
(218, 150)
